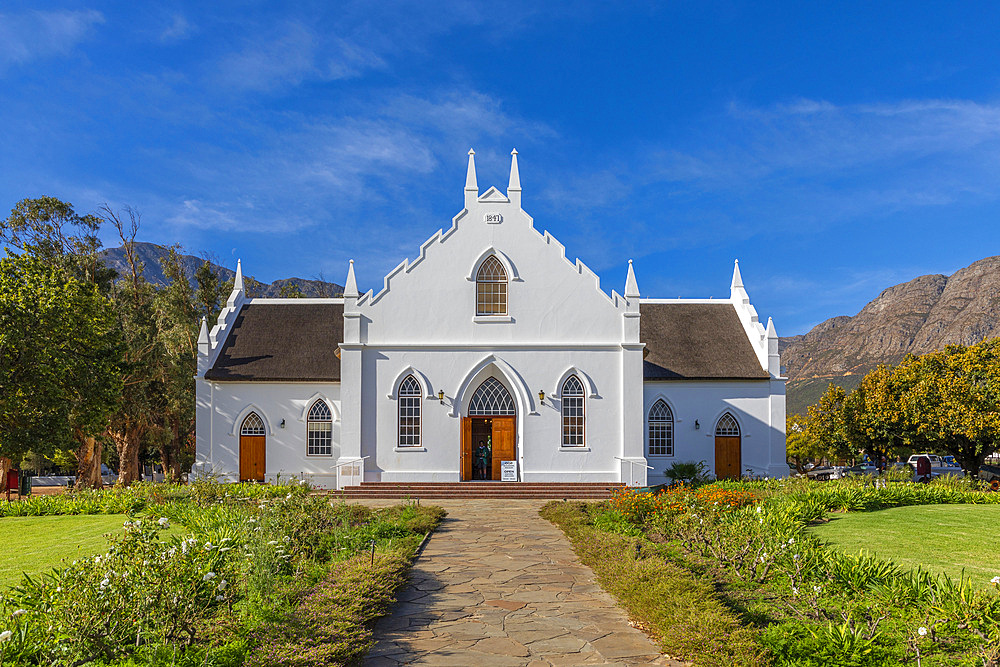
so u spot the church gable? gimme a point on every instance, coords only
(444, 296)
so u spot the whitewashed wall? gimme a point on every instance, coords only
(222, 406)
(752, 403)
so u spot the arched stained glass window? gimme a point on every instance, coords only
(491, 288)
(409, 412)
(727, 425)
(661, 429)
(572, 412)
(491, 400)
(252, 425)
(319, 430)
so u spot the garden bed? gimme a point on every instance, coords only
(740, 555)
(263, 575)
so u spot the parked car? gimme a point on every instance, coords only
(860, 469)
(936, 461)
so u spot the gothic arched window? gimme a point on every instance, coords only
(572, 412)
(252, 425)
(319, 430)
(491, 400)
(727, 426)
(409, 412)
(661, 429)
(491, 288)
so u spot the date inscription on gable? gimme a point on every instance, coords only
(493, 218)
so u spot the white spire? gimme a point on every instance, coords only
(737, 278)
(351, 288)
(470, 177)
(515, 177)
(203, 334)
(771, 332)
(631, 287)
(238, 280)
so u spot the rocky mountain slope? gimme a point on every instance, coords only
(150, 255)
(918, 316)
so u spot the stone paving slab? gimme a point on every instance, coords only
(497, 585)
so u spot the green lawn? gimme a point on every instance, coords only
(941, 538)
(35, 544)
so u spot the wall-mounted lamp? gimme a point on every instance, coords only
(282, 424)
(541, 396)
(696, 425)
(441, 396)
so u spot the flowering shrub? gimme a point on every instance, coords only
(639, 507)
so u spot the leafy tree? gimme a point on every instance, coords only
(951, 401)
(824, 424)
(801, 447)
(211, 292)
(290, 290)
(873, 417)
(59, 356)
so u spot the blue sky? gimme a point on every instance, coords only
(834, 148)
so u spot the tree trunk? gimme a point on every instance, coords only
(127, 442)
(88, 463)
(5, 465)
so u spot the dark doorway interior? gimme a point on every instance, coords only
(482, 448)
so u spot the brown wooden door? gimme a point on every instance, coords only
(727, 457)
(503, 442)
(466, 448)
(252, 458)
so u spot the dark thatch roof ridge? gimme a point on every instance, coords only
(282, 342)
(696, 341)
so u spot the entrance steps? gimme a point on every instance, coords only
(457, 490)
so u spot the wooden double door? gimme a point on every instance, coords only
(727, 457)
(498, 433)
(252, 458)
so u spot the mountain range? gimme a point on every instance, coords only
(922, 315)
(150, 255)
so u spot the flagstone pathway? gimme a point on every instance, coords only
(497, 585)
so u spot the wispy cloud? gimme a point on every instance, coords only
(178, 29)
(39, 34)
(293, 53)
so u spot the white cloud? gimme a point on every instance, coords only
(178, 29)
(38, 34)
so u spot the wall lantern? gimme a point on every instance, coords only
(696, 425)
(541, 397)
(441, 396)
(282, 424)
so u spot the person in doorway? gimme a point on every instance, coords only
(482, 459)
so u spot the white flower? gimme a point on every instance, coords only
(208, 576)
(818, 589)
(222, 585)
(220, 598)
(758, 510)
(288, 497)
(208, 546)
(127, 524)
(105, 583)
(922, 631)
(19, 612)
(273, 542)
(6, 635)
(995, 580)
(795, 591)
(164, 521)
(791, 540)
(795, 557)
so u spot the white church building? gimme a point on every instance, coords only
(489, 355)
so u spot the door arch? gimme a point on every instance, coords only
(252, 448)
(492, 411)
(728, 455)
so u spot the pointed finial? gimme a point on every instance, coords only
(631, 287)
(351, 286)
(771, 332)
(737, 278)
(515, 177)
(203, 333)
(238, 280)
(470, 177)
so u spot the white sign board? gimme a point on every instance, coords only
(508, 471)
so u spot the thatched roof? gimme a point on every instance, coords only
(696, 341)
(282, 342)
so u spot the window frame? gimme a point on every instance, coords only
(492, 274)
(729, 431)
(409, 396)
(318, 420)
(260, 420)
(495, 408)
(573, 398)
(665, 430)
